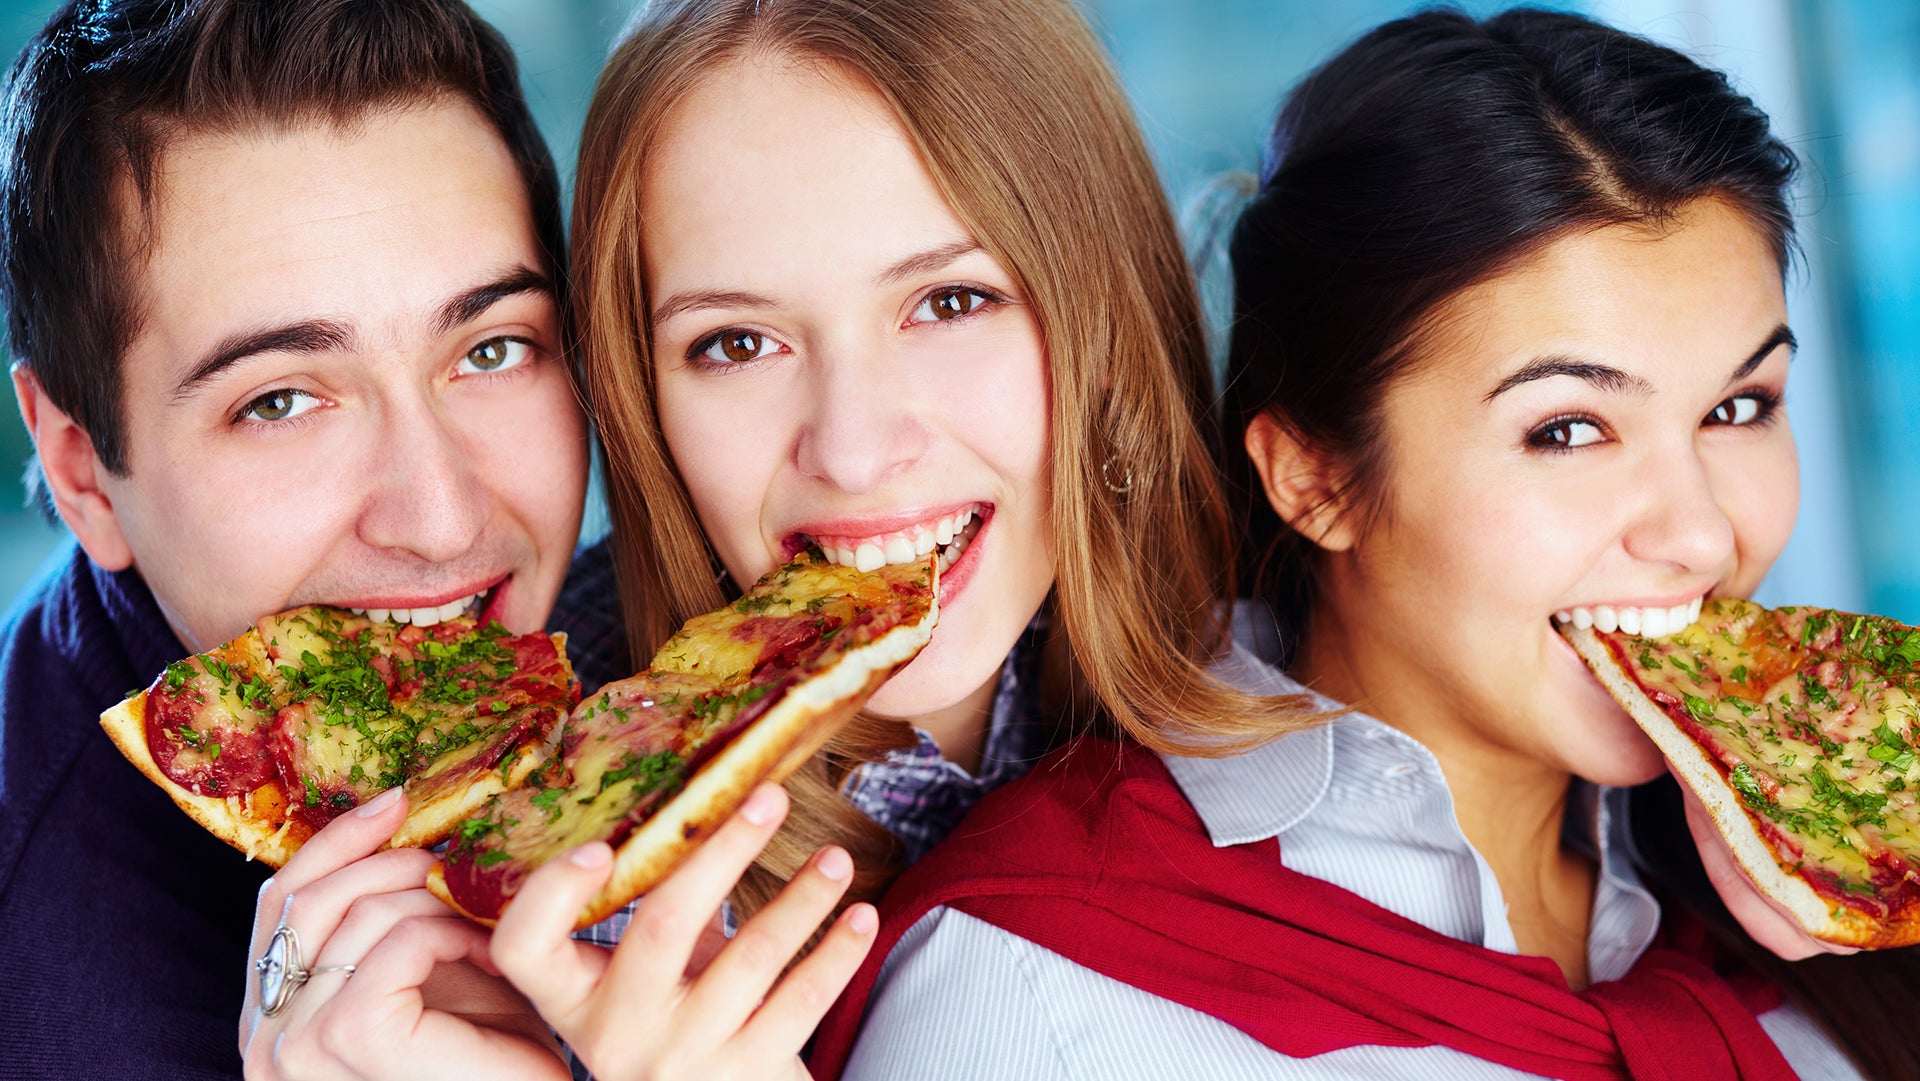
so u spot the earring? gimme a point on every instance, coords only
(1117, 472)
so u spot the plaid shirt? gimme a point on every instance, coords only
(915, 792)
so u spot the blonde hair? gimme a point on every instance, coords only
(1021, 125)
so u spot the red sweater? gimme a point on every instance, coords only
(1097, 856)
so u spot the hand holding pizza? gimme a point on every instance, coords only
(1766, 921)
(639, 1010)
(400, 987)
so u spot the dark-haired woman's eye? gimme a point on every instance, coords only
(734, 346)
(1743, 409)
(951, 302)
(1566, 433)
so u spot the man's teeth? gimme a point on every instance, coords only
(425, 617)
(1647, 622)
(950, 534)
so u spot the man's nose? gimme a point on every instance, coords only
(426, 491)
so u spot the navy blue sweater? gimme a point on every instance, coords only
(123, 924)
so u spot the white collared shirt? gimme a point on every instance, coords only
(1355, 802)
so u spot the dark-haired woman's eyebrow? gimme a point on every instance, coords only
(1609, 379)
(1780, 336)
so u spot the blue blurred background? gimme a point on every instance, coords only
(1841, 79)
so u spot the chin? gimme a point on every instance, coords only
(935, 680)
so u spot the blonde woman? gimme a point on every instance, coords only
(879, 276)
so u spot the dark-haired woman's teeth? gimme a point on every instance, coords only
(1648, 622)
(426, 617)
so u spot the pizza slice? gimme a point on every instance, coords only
(1799, 729)
(654, 763)
(312, 712)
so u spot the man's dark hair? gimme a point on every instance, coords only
(95, 97)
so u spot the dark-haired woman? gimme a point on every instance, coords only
(1511, 348)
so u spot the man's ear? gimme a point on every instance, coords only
(73, 473)
(1300, 485)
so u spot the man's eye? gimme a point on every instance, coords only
(277, 405)
(1744, 409)
(735, 347)
(951, 303)
(494, 355)
(1566, 433)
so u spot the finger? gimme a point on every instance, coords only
(370, 918)
(533, 944)
(666, 925)
(345, 840)
(783, 1024)
(316, 911)
(384, 1001)
(1770, 924)
(732, 987)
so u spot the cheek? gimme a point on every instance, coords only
(1471, 545)
(534, 449)
(727, 454)
(1761, 497)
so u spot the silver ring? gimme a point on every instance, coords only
(281, 973)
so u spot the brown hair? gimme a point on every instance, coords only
(93, 99)
(1018, 119)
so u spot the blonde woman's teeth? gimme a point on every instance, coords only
(949, 533)
(1646, 622)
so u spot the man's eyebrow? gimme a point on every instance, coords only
(307, 336)
(470, 305)
(1780, 336)
(922, 262)
(1605, 377)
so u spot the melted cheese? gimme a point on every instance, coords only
(1814, 719)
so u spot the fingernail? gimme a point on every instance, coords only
(378, 803)
(593, 854)
(862, 919)
(835, 864)
(761, 806)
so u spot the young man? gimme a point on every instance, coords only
(283, 284)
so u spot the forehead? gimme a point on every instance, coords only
(372, 222)
(1703, 288)
(771, 154)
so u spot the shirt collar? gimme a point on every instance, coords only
(1265, 791)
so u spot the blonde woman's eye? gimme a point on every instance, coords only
(735, 347)
(944, 304)
(277, 405)
(1566, 433)
(1744, 409)
(494, 355)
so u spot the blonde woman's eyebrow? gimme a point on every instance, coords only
(927, 261)
(697, 299)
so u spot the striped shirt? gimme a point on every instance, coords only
(1357, 803)
(915, 792)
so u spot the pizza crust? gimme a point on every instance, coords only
(1819, 917)
(250, 823)
(772, 747)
